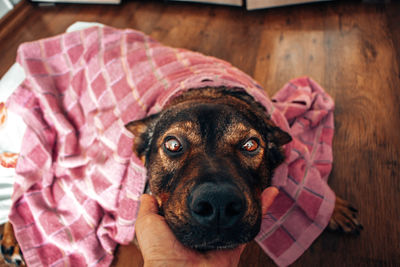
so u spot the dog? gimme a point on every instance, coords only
(209, 154)
(9, 249)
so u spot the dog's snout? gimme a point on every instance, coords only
(214, 204)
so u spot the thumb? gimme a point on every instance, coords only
(268, 197)
(148, 205)
(149, 226)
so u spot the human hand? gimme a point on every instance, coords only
(160, 247)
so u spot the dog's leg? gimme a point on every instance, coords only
(344, 218)
(9, 247)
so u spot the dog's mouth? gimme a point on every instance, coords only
(209, 238)
(217, 217)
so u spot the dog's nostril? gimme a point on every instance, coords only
(233, 209)
(203, 208)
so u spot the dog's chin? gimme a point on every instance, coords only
(206, 240)
(215, 244)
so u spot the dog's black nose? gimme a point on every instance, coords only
(214, 204)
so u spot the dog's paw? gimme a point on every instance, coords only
(344, 218)
(9, 247)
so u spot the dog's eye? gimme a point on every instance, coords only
(251, 145)
(173, 145)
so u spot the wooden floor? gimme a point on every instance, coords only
(351, 49)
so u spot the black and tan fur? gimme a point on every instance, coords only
(212, 125)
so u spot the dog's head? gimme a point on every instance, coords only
(209, 155)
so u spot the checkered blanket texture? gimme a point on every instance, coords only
(77, 189)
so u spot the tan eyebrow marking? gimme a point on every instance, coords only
(186, 129)
(238, 131)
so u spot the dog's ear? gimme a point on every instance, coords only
(279, 137)
(143, 132)
(276, 139)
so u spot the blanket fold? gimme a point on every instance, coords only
(305, 202)
(77, 188)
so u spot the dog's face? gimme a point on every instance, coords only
(209, 155)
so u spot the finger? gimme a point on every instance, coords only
(150, 228)
(268, 197)
(148, 205)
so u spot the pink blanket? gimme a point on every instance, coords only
(78, 184)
